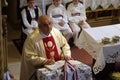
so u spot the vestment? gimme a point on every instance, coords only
(34, 52)
(29, 18)
(57, 14)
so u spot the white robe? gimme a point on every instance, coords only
(74, 20)
(34, 52)
(60, 10)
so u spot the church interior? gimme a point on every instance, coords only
(107, 15)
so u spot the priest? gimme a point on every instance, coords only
(44, 46)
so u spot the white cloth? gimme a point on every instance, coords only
(34, 52)
(95, 4)
(83, 70)
(91, 38)
(105, 3)
(34, 23)
(60, 10)
(78, 9)
(115, 3)
(87, 3)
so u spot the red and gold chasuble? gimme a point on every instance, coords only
(50, 48)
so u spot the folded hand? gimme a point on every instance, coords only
(49, 61)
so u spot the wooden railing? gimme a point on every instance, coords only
(102, 13)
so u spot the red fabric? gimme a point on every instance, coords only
(50, 49)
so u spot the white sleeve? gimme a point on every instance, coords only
(82, 13)
(65, 18)
(24, 18)
(49, 13)
(70, 18)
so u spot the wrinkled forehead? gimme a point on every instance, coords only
(44, 19)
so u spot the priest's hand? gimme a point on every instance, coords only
(34, 28)
(49, 61)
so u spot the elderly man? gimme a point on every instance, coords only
(77, 17)
(30, 15)
(58, 15)
(42, 47)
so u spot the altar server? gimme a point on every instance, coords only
(30, 14)
(43, 47)
(77, 17)
(58, 15)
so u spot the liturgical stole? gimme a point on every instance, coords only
(50, 48)
(70, 71)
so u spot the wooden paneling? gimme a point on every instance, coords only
(102, 17)
(1, 48)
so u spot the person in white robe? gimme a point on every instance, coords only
(58, 15)
(30, 15)
(43, 47)
(77, 17)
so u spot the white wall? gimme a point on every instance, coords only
(41, 3)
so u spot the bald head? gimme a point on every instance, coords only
(45, 24)
(42, 19)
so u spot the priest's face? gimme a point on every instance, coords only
(45, 25)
